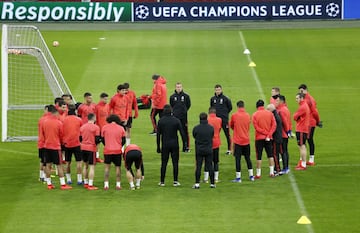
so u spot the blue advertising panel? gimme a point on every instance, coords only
(237, 11)
(352, 9)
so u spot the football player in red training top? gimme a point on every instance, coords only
(216, 123)
(89, 137)
(240, 124)
(302, 118)
(52, 129)
(113, 137)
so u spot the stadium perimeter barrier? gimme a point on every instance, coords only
(177, 10)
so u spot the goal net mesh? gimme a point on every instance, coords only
(32, 80)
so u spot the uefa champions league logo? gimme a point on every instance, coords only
(142, 12)
(332, 9)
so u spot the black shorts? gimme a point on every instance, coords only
(52, 156)
(129, 122)
(42, 155)
(133, 156)
(89, 157)
(301, 138)
(73, 150)
(260, 145)
(241, 150)
(113, 158)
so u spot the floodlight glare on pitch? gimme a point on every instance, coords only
(246, 51)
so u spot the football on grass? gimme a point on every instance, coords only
(55, 43)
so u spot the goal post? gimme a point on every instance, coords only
(31, 79)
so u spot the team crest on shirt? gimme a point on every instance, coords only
(221, 101)
(175, 98)
(182, 98)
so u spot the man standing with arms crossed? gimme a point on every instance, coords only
(181, 103)
(240, 124)
(302, 118)
(223, 107)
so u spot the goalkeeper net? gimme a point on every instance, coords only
(31, 79)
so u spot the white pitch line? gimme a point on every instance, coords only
(18, 152)
(293, 183)
(253, 71)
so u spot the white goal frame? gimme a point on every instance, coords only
(36, 47)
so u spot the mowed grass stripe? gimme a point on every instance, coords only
(330, 192)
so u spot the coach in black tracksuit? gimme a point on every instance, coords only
(223, 107)
(180, 103)
(203, 135)
(167, 129)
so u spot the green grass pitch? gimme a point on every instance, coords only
(326, 59)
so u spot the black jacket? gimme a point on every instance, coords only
(203, 134)
(222, 104)
(277, 135)
(180, 103)
(167, 131)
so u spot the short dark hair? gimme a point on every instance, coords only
(61, 103)
(212, 110)
(282, 98)
(301, 95)
(52, 109)
(260, 103)
(240, 104)
(67, 95)
(155, 76)
(302, 86)
(103, 95)
(217, 86)
(126, 85)
(91, 116)
(120, 87)
(113, 118)
(87, 94)
(203, 116)
(275, 97)
(167, 109)
(58, 99)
